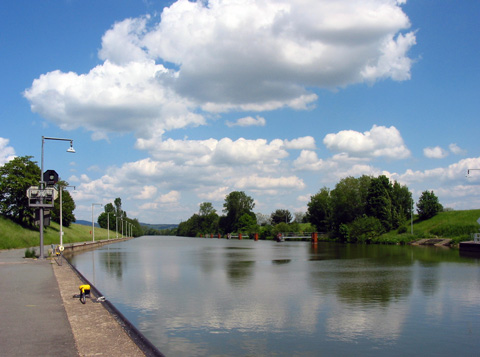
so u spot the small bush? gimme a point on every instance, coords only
(30, 253)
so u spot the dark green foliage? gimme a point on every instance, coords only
(348, 200)
(365, 229)
(281, 215)
(30, 253)
(428, 205)
(16, 176)
(237, 203)
(68, 206)
(353, 198)
(319, 210)
(379, 201)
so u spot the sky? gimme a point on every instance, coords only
(173, 103)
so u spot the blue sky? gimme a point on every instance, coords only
(175, 103)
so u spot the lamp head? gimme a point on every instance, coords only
(71, 149)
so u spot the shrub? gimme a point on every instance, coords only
(30, 253)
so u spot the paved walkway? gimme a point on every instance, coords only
(39, 316)
(33, 318)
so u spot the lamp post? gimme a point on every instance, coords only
(93, 226)
(42, 186)
(108, 225)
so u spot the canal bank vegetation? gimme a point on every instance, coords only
(14, 235)
(358, 210)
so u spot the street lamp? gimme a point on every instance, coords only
(42, 186)
(93, 226)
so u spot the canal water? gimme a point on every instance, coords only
(217, 297)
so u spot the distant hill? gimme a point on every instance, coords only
(159, 227)
(86, 223)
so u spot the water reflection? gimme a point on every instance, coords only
(197, 297)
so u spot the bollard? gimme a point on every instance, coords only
(314, 238)
(239, 236)
(256, 236)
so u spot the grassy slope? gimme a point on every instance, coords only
(14, 236)
(457, 225)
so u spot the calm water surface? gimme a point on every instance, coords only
(217, 297)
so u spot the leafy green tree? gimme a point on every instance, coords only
(319, 211)
(281, 215)
(237, 203)
(348, 200)
(364, 229)
(402, 204)
(247, 223)
(208, 218)
(68, 206)
(428, 205)
(108, 217)
(16, 176)
(190, 228)
(379, 201)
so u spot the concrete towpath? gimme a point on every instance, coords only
(40, 317)
(33, 319)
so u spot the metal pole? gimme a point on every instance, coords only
(41, 208)
(61, 219)
(42, 186)
(108, 225)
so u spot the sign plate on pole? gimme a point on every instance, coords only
(478, 221)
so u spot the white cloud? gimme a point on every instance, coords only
(435, 153)
(225, 55)
(7, 153)
(306, 142)
(112, 98)
(454, 148)
(248, 121)
(146, 193)
(170, 197)
(380, 141)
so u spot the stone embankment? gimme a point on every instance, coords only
(437, 242)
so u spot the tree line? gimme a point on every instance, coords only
(357, 209)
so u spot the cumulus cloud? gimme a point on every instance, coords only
(7, 153)
(221, 152)
(454, 148)
(306, 142)
(112, 98)
(380, 141)
(248, 121)
(225, 55)
(435, 152)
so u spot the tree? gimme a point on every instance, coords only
(402, 204)
(106, 221)
(68, 206)
(208, 218)
(16, 176)
(237, 203)
(379, 201)
(319, 210)
(281, 215)
(348, 200)
(428, 205)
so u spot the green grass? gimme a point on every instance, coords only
(456, 225)
(14, 236)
